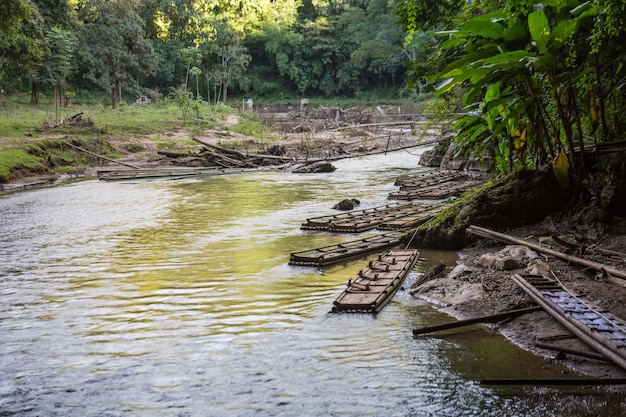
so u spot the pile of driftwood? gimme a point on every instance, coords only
(76, 121)
(218, 156)
(315, 120)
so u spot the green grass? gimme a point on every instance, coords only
(15, 159)
(250, 125)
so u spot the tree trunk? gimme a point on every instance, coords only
(225, 92)
(34, 93)
(113, 91)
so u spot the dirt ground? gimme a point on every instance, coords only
(470, 290)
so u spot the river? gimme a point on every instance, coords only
(175, 298)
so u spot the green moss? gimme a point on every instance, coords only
(519, 198)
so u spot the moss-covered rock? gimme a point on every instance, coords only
(520, 198)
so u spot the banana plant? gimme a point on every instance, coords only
(520, 74)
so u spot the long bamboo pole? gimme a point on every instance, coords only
(482, 232)
(100, 156)
(494, 318)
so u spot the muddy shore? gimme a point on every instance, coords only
(468, 290)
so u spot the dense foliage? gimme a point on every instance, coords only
(71, 49)
(538, 82)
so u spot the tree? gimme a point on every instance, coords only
(196, 72)
(58, 62)
(191, 55)
(21, 41)
(57, 46)
(232, 55)
(114, 51)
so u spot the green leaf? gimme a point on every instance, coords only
(539, 29)
(513, 59)
(562, 32)
(452, 43)
(515, 33)
(464, 62)
(485, 28)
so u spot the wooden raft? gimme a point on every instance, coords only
(429, 179)
(371, 290)
(600, 330)
(434, 192)
(332, 254)
(362, 220)
(161, 173)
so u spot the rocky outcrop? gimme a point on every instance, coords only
(520, 198)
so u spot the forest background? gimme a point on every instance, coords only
(69, 49)
(536, 83)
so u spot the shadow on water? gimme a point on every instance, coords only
(175, 298)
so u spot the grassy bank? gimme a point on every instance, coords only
(33, 138)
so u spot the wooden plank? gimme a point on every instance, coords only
(374, 288)
(493, 318)
(362, 220)
(433, 192)
(331, 254)
(590, 355)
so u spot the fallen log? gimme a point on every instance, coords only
(486, 233)
(276, 157)
(222, 149)
(493, 318)
(223, 158)
(100, 156)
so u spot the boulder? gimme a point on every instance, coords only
(316, 167)
(346, 204)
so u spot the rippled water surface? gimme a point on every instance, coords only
(174, 298)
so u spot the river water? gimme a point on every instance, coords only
(175, 298)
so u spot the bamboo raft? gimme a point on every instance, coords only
(434, 192)
(411, 220)
(429, 179)
(332, 254)
(375, 287)
(600, 330)
(362, 220)
(162, 173)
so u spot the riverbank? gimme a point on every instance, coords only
(470, 289)
(297, 138)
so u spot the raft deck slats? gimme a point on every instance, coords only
(326, 222)
(600, 330)
(373, 288)
(161, 173)
(362, 220)
(431, 179)
(332, 254)
(434, 192)
(410, 221)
